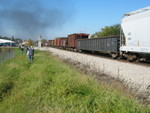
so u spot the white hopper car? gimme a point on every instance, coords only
(136, 29)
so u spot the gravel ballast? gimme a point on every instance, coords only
(135, 76)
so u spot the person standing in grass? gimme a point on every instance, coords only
(30, 54)
(22, 49)
(27, 49)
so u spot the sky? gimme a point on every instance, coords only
(28, 19)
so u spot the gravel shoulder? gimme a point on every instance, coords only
(136, 77)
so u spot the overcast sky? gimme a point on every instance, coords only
(57, 18)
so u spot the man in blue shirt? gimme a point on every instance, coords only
(31, 54)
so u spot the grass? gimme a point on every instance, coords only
(50, 86)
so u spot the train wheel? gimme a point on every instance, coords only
(80, 51)
(131, 58)
(114, 56)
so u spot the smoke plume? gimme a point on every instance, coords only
(31, 18)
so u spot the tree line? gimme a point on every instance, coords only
(108, 31)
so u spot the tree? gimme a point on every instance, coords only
(43, 40)
(18, 40)
(30, 42)
(107, 31)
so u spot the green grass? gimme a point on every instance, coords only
(50, 86)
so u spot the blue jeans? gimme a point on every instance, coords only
(31, 58)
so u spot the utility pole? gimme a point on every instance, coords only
(11, 36)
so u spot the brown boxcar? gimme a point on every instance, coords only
(50, 43)
(64, 42)
(60, 42)
(57, 42)
(72, 39)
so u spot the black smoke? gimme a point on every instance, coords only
(31, 18)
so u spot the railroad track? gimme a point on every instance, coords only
(107, 56)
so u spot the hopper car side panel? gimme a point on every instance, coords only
(109, 44)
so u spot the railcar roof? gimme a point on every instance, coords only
(138, 11)
(6, 41)
(80, 34)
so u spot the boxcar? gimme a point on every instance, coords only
(64, 42)
(72, 39)
(50, 43)
(107, 45)
(57, 42)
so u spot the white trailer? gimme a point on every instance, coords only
(136, 28)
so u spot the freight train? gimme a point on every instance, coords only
(133, 44)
